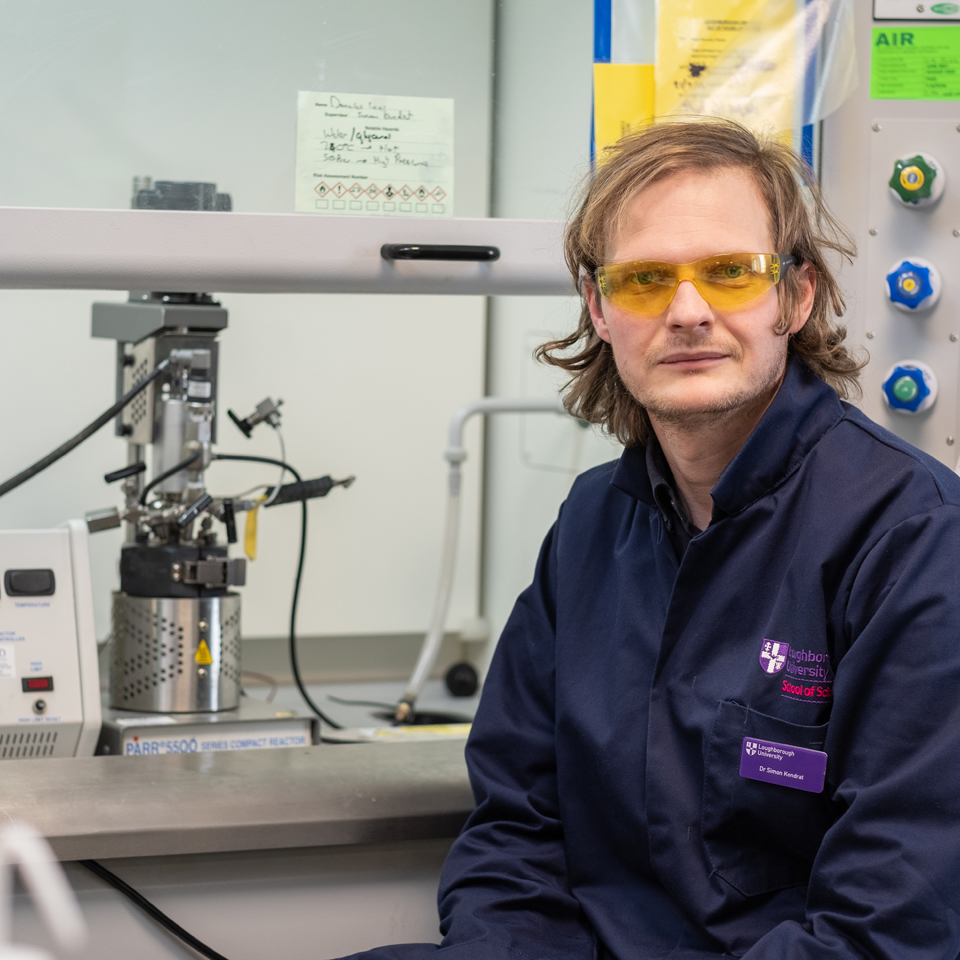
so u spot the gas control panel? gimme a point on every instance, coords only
(911, 312)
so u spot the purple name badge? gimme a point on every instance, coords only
(783, 763)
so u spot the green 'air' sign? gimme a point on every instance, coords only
(916, 63)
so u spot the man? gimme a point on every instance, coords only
(725, 718)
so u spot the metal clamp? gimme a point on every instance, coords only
(210, 573)
(105, 519)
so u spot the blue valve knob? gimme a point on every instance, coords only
(913, 284)
(910, 387)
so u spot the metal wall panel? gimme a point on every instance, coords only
(860, 143)
(896, 232)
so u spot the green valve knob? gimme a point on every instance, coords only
(916, 180)
(905, 389)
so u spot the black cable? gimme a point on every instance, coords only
(252, 459)
(294, 660)
(182, 465)
(148, 908)
(84, 434)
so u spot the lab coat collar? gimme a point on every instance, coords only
(803, 410)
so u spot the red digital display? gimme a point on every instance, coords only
(37, 683)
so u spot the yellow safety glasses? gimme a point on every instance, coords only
(647, 287)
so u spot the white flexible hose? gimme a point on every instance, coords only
(434, 637)
(23, 846)
(455, 454)
(283, 470)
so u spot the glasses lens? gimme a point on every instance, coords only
(645, 287)
(731, 279)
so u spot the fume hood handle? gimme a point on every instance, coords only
(439, 251)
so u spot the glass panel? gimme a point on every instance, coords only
(96, 92)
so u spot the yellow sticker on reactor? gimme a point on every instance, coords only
(203, 653)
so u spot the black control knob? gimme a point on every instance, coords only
(462, 680)
(230, 520)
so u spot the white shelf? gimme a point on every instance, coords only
(46, 248)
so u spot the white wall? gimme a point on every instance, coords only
(542, 115)
(93, 92)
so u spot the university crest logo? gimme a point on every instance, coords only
(751, 747)
(773, 655)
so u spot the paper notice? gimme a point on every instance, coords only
(374, 156)
(729, 58)
(622, 101)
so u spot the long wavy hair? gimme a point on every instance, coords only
(800, 223)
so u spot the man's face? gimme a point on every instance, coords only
(695, 363)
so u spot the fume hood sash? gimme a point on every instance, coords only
(270, 253)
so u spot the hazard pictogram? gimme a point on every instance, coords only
(364, 190)
(203, 653)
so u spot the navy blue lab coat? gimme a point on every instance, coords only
(611, 820)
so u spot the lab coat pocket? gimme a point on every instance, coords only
(759, 836)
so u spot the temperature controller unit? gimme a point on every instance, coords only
(49, 681)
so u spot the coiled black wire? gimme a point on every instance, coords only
(294, 659)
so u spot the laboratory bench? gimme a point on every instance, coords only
(306, 851)
(320, 796)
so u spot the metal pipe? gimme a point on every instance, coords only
(455, 454)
